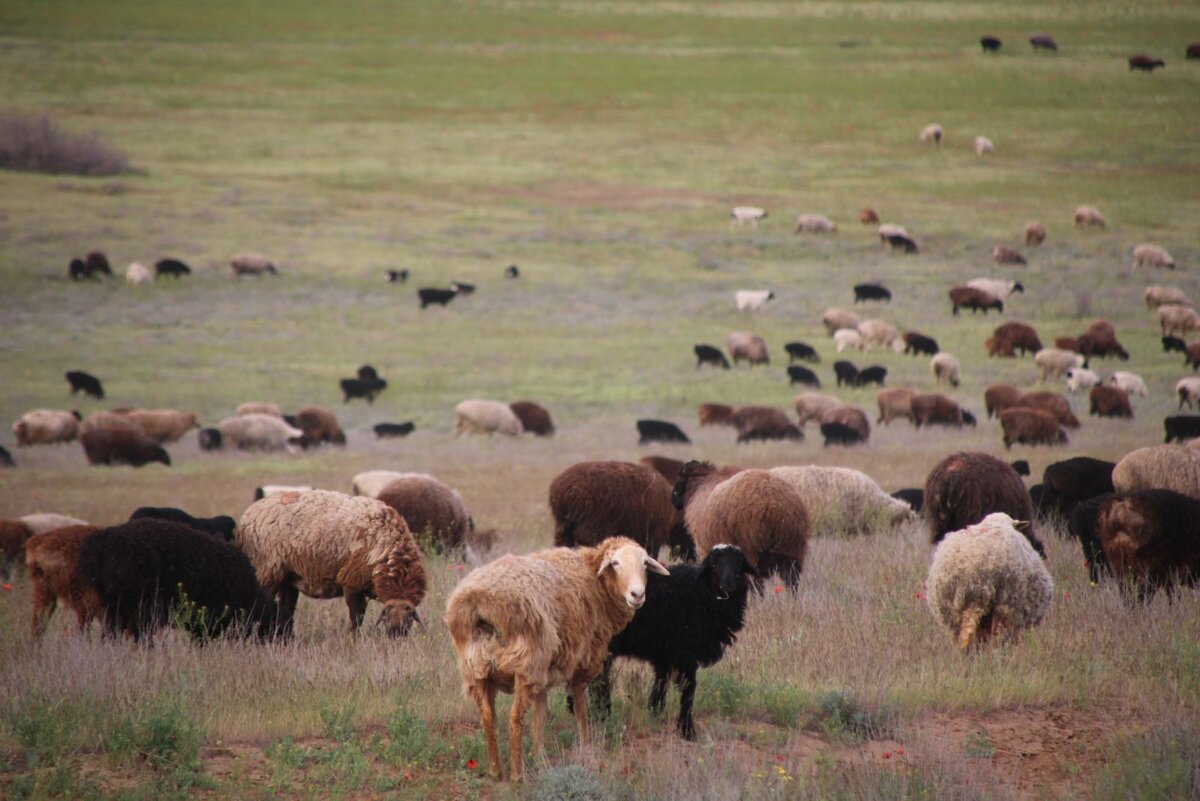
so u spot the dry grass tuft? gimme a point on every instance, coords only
(36, 143)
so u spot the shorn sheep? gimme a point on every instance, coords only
(522, 624)
(965, 487)
(1147, 255)
(747, 347)
(46, 427)
(985, 582)
(1173, 467)
(591, 501)
(477, 416)
(327, 544)
(53, 561)
(840, 500)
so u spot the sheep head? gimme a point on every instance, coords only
(622, 569)
(397, 617)
(685, 485)
(724, 568)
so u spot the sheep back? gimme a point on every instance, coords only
(430, 508)
(592, 501)
(1173, 467)
(967, 486)
(478, 416)
(840, 500)
(534, 418)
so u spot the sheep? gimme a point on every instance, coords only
(251, 264)
(1188, 391)
(254, 432)
(534, 418)
(592, 501)
(435, 296)
(1193, 51)
(840, 500)
(715, 414)
(965, 487)
(1174, 319)
(1030, 426)
(996, 287)
(1021, 466)
(815, 224)
(903, 243)
(320, 425)
(868, 216)
(1054, 404)
(393, 430)
(968, 297)
(937, 409)
(41, 522)
(919, 344)
(371, 482)
(945, 369)
(846, 373)
(1145, 63)
(1022, 336)
(985, 582)
(894, 402)
(6, 459)
(890, 229)
(86, 383)
(931, 133)
(877, 332)
(1089, 217)
(1005, 256)
(1132, 383)
(1042, 41)
(763, 423)
(275, 489)
(171, 267)
(848, 338)
(998, 397)
(740, 215)
(163, 425)
(798, 374)
(431, 509)
(1106, 401)
(1035, 233)
(1055, 362)
(1173, 467)
(758, 512)
(46, 427)
(660, 431)
(1159, 295)
(259, 408)
(875, 374)
(476, 416)
(751, 348)
(138, 273)
(77, 271)
(221, 526)
(801, 350)
(1181, 427)
(868, 292)
(688, 620)
(1000, 348)
(1191, 355)
(913, 496)
(840, 434)
(52, 558)
(396, 276)
(1147, 255)
(1100, 340)
(708, 354)
(523, 623)
(113, 446)
(1069, 483)
(1067, 343)
(1080, 378)
(849, 416)
(752, 299)
(13, 535)
(984, 145)
(96, 262)
(814, 405)
(990, 44)
(665, 466)
(834, 319)
(326, 544)
(512, 271)
(366, 388)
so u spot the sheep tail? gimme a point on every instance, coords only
(496, 634)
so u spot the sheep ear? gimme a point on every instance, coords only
(1021, 525)
(748, 568)
(654, 567)
(605, 566)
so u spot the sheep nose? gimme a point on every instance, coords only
(637, 597)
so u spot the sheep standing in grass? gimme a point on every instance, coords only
(1026, 426)
(522, 624)
(46, 427)
(252, 432)
(591, 501)
(477, 416)
(945, 369)
(932, 134)
(534, 418)
(255, 407)
(747, 347)
(1035, 233)
(1158, 295)
(935, 409)
(1187, 390)
(835, 319)
(1174, 319)
(848, 339)
(138, 273)
(1054, 362)
(163, 425)
(53, 561)
(740, 215)
(431, 509)
(320, 426)
(877, 332)
(1089, 217)
(814, 405)
(1080, 379)
(895, 402)
(327, 544)
(996, 287)
(840, 500)
(116, 446)
(752, 299)
(984, 146)
(986, 582)
(967, 486)
(1173, 467)
(1132, 383)
(1147, 255)
(251, 264)
(815, 224)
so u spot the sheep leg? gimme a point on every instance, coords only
(516, 725)
(287, 596)
(658, 694)
(686, 679)
(356, 603)
(43, 606)
(539, 722)
(581, 709)
(485, 698)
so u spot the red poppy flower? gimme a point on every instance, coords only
(887, 754)
(7, 587)
(778, 588)
(472, 764)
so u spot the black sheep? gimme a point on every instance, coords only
(690, 617)
(78, 270)
(396, 276)
(209, 439)
(1067, 484)
(798, 374)
(841, 434)
(6, 459)
(172, 267)
(913, 496)
(902, 242)
(874, 374)
(803, 351)
(1041, 41)
(1020, 467)
(866, 292)
(512, 271)
(433, 296)
(990, 44)
(659, 431)
(221, 526)
(1174, 343)
(86, 383)
(361, 388)
(846, 373)
(1145, 63)
(368, 373)
(707, 354)
(1181, 427)
(384, 430)
(152, 573)
(919, 344)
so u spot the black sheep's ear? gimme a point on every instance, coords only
(748, 568)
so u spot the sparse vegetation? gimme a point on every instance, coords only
(36, 143)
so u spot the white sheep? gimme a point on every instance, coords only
(1168, 467)
(46, 427)
(836, 318)
(890, 229)
(254, 407)
(1174, 319)
(945, 367)
(263, 432)
(476, 416)
(523, 624)
(1187, 390)
(878, 332)
(371, 482)
(931, 133)
(842, 500)
(251, 264)
(813, 406)
(986, 581)
(1132, 383)
(41, 522)
(1056, 362)
(848, 338)
(984, 145)
(996, 287)
(1081, 379)
(1089, 217)
(138, 273)
(747, 214)
(752, 299)
(1147, 255)
(815, 224)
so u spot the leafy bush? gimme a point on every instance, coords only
(36, 143)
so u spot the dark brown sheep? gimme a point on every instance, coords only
(850, 416)
(763, 422)
(1192, 355)
(1051, 402)
(1145, 63)
(715, 414)
(534, 418)
(1109, 401)
(998, 397)
(1022, 335)
(1000, 348)
(968, 486)
(1100, 340)
(665, 466)
(434, 512)
(53, 560)
(1150, 538)
(1030, 427)
(13, 534)
(968, 297)
(320, 425)
(112, 446)
(1066, 343)
(935, 409)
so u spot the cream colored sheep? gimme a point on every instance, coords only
(1081, 379)
(931, 134)
(945, 367)
(1187, 390)
(836, 319)
(1147, 255)
(477, 416)
(848, 339)
(747, 214)
(46, 427)
(996, 287)
(813, 406)
(1035, 233)
(1159, 295)
(984, 146)
(1055, 362)
(752, 299)
(264, 432)
(1171, 467)
(844, 501)
(877, 332)
(815, 224)
(138, 273)
(890, 229)
(1177, 319)
(254, 407)
(1132, 383)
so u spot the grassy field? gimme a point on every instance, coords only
(599, 146)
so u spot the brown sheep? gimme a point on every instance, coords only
(868, 217)
(1056, 405)
(937, 409)
(998, 397)
(813, 405)
(319, 425)
(1030, 427)
(1000, 348)
(1108, 401)
(1066, 343)
(968, 486)
(1191, 355)
(1004, 256)
(715, 414)
(433, 511)
(1150, 538)
(1101, 342)
(895, 402)
(1035, 233)
(747, 347)
(534, 418)
(163, 425)
(1022, 335)
(763, 422)
(53, 560)
(850, 416)
(13, 534)
(665, 466)
(114, 446)
(968, 297)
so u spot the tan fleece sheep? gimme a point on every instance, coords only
(840, 500)
(1187, 390)
(1160, 295)
(945, 367)
(523, 624)
(815, 224)
(895, 402)
(877, 332)
(53, 561)
(1035, 233)
(259, 432)
(1055, 362)
(46, 427)
(1147, 255)
(747, 347)
(327, 544)
(813, 406)
(1172, 467)
(371, 482)
(835, 319)
(1174, 319)
(478, 416)
(163, 425)
(255, 407)
(1089, 217)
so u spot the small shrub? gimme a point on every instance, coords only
(166, 739)
(42, 729)
(1161, 764)
(36, 143)
(339, 724)
(568, 783)
(841, 719)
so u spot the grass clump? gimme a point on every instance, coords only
(1161, 764)
(569, 783)
(36, 143)
(42, 730)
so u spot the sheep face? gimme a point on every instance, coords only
(691, 470)
(397, 617)
(624, 573)
(725, 570)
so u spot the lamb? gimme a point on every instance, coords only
(1042, 41)
(1173, 467)
(763, 423)
(965, 487)
(1177, 319)
(53, 561)
(320, 425)
(835, 319)
(592, 501)
(1089, 217)
(393, 430)
(171, 267)
(6, 459)
(275, 489)
(163, 425)
(113, 446)
(1145, 63)
(1181, 428)
(1106, 401)
(758, 512)
(801, 350)
(1132, 383)
(798, 374)
(931, 133)
(868, 216)
(1159, 295)
(985, 582)
(937, 409)
(814, 405)
(1080, 378)
(431, 509)
(984, 145)
(894, 402)
(1005, 256)
(46, 427)
(708, 354)
(747, 214)
(1022, 336)
(848, 338)
(326, 544)
(221, 526)
(253, 432)
(1188, 391)
(435, 296)
(1071, 482)
(534, 418)
(1056, 362)
(850, 416)
(752, 299)
(815, 224)
(478, 416)
(259, 408)
(715, 414)
(996, 287)
(844, 501)
(919, 344)
(990, 44)
(660, 431)
(1035, 233)
(523, 623)
(86, 383)
(945, 369)
(251, 264)
(1147, 255)
(688, 620)
(1031, 426)
(968, 297)
(877, 332)
(868, 292)
(747, 347)
(1000, 348)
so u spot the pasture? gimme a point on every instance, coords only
(600, 147)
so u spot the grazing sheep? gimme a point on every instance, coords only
(1147, 255)
(372, 482)
(968, 297)
(592, 501)
(1056, 405)
(113, 446)
(998, 397)
(77, 271)
(512, 271)
(1177, 319)
(86, 383)
(984, 145)
(221, 526)
(741, 215)
(844, 501)
(1000, 348)
(996, 287)
(163, 425)
(835, 319)
(477, 416)
(1067, 484)
(1006, 256)
(435, 296)
(326, 544)
(534, 418)
(798, 374)
(46, 427)
(366, 388)
(172, 267)
(840, 434)
(931, 133)
(747, 347)
(1035, 233)
(904, 243)
(1080, 378)
(259, 408)
(1188, 391)
(431, 509)
(846, 373)
(1089, 217)
(1193, 51)
(1181, 428)
(758, 512)
(275, 489)
(715, 414)
(1130, 382)
(814, 405)
(1145, 63)
(815, 224)
(1191, 355)
(868, 292)
(1053, 362)
(320, 425)
(707, 354)
(935, 409)
(965, 487)
(249, 432)
(1100, 340)
(919, 344)
(391, 430)
(877, 332)
(1030, 427)
(660, 431)
(890, 229)
(1106, 401)
(1148, 539)
(116, 420)
(1173, 467)
(763, 423)
(53, 561)
(895, 402)
(665, 466)
(688, 620)
(524, 623)
(6, 459)
(752, 299)
(13, 535)
(1042, 41)
(138, 273)
(868, 217)
(850, 416)
(144, 570)
(1160, 295)
(985, 582)
(801, 350)
(396, 276)
(1066, 343)
(848, 338)
(990, 44)
(96, 262)
(252, 264)
(945, 369)
(875, 374)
